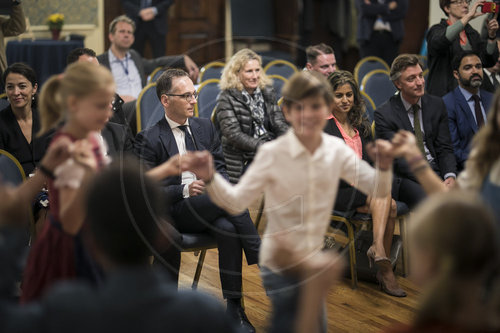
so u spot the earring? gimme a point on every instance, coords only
(33, 97)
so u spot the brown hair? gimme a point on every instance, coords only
(357, 115)
(459, 234)
(312, 52)
(306, 84)
(402, 62)
(164, 82)
(80, 79)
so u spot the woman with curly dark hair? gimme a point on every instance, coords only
(349, 122)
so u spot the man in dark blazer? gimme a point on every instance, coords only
(134, 298)
(467, 105)
(191, 209)
(150, 17)
(380, 27)
(404, 111)
(491, 77)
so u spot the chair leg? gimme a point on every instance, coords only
(403, 230)
(352, 256)
(199, 266)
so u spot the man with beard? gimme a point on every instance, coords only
(422, 114)
(467, 104)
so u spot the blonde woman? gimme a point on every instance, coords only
(247, 113)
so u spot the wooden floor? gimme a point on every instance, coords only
(363, 310)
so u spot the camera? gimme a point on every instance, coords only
(490, 7)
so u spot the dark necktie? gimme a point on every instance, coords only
(417, 128)
(190, 146)
(478, 111)
(494, 80)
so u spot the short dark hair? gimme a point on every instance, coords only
(457, 59)
(444, 3)
(77, 53)
(402, 62)
(312, 52)
(124, 209)
(164, 82)
(22, 69)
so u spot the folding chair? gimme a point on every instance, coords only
(149, 109)
(278, 83)
(368, 64)
(207, 98)
(212, 70)
(280, 67)
(378, 85)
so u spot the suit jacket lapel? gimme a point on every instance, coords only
(465, 109)
(167, 138)
(196, 134)
(402, 113)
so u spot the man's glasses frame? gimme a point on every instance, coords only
(186, 96)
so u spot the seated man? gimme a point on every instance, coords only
(425, 116)
(191, 209)
(491, 77)
(467, 105)
(120, 201)
(321, 59)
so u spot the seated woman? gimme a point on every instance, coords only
(350, 123)
(19, 125)
(455, 258)
(20, 121)
(246, 112)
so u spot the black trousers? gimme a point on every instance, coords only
(146, 31)
(408, 191)
(233, 234)
(382, 45)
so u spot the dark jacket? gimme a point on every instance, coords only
(368, 14)
(391, 116)
(348, 197)
(118, 139)
(234, 120)
(441, 52)
(462, 125)
(146, 66)
(132, 8)
(156, 145)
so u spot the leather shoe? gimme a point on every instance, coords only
(238, 314)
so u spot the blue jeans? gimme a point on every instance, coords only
(284, 292)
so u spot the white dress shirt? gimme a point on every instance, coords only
(187, 177)
(300, 189)
(127, 78)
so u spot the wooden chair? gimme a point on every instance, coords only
(280, 67)
(368, 64)
(212, 70)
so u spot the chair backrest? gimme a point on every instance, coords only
(11, 170)
(212, 70)
(280, 67)
(148, 108)
(368, 64)
(370, 106)
(155, 74)
(4, 102)
(278, 83)
(207, 98)
(378, 85)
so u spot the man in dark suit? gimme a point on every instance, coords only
(150, 17)
(467, 105)
(380, 27)
(424, 115)
(191, 209)
(491, 77)
(134, 298)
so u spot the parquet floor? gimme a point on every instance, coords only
(363, 310)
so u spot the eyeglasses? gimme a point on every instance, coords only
(186, 96)
(461, 2)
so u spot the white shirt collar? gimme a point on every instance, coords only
(297, 148)
(174, 124)
(408, 105)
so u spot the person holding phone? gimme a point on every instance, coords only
(455, 34)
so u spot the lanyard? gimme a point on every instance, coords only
(124, 66)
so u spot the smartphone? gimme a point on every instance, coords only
(489, 7)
